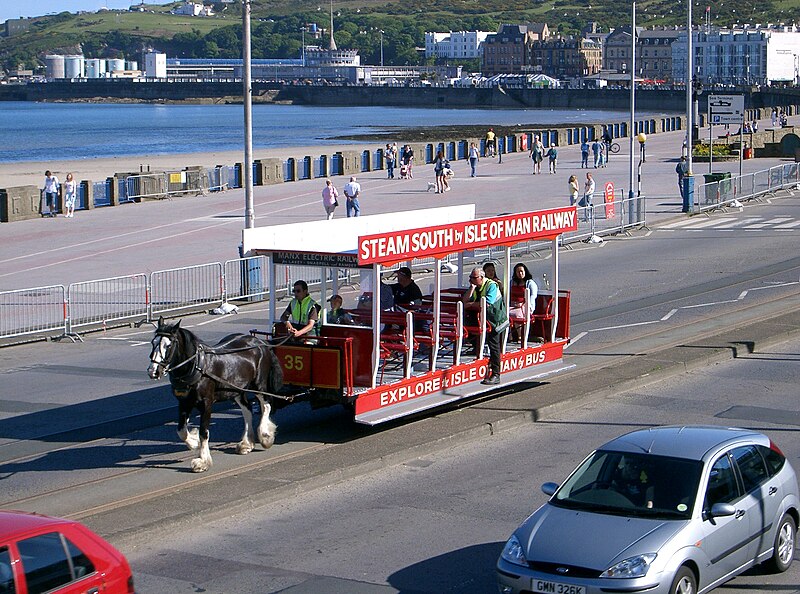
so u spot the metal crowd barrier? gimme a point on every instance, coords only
(108, 300)
(33, 311)
(192, 287)
(726, 192)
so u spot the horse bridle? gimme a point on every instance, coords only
(173, 344)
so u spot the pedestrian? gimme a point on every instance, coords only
(496, 318)
(330, 198)
(70, 194)
(603, 154)
(681, 169)
(774, 117)
(552, 155)
(352, 191)
(438, 170)
(390, 156)
(491, 143)
(474, 157)
(573, 190)
(755, 126)
(407, 159)
(537, 154)
(597, 150)
(448, 173)
(588, 196)
(607, 140)
(585, 154)
(50, 190)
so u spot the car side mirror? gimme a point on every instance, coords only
(549, 488)
(721, 510)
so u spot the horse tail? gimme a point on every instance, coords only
(275, 377)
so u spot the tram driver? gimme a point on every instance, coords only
(302, 314)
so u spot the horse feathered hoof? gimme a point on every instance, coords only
(200, 465)
(244, 448)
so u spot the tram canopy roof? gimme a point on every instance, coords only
(340, 236)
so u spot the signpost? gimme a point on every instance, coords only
(725, 109)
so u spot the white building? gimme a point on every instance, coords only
(455, 44)
(748, 55)
(155, 65)
(194, 9)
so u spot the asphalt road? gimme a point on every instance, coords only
(437, 523)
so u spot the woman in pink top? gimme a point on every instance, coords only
(329, 198)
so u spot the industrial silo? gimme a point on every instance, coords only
(54, 65)
(116, 65)
(73, 67)
(95, 68)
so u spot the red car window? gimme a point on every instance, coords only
(7, 585)
(50, 561)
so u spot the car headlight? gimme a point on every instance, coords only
(633, 567)
(513, 552)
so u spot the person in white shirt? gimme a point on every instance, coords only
(70, 194)
(50, 193)
(352, 190)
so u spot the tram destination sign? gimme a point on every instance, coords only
(315, 259)
(406, 244)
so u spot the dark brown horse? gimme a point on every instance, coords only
(202, 375)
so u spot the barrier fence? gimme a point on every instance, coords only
(38, 312)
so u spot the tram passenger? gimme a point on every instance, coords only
(302, 314)
(405, 292)
(480, 286)
(523, 279)
(490, 271)
(337, 315)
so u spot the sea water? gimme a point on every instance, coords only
(47, 131)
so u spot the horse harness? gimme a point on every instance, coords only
(182, 385)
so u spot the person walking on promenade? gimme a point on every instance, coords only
(330, 198)
(537, 154)
(407, 159)
(603, 154)
(390, 157)
(491, 143)
(585, 154)
(70, 194)
(50, 190)
(438, 170)
(607, 140)
(573, 190)
(681, 169)
(597, 149)
(588, 196)
(474, 157)
(352, 191)
(552, 158)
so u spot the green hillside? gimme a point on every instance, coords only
(276, 26)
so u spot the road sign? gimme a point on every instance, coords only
(726, 109)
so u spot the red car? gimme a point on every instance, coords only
(42, 554)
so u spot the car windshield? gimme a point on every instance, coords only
(631, 484)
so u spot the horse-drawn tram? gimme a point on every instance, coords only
(393, 351)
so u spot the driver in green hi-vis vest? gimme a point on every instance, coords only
(302, 314)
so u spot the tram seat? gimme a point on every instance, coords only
(542, 312)
(448, 332)
(393, 341)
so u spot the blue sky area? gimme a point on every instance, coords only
(14, 9)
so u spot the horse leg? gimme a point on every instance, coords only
(189, 437)
(266, 428)
(245, 446)
(203, 461)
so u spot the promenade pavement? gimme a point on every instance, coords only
(189, 230)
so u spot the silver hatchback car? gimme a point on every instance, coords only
(668, 510)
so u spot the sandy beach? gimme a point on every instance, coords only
(32, 172)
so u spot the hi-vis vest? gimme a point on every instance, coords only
(495, 312)
(301, 311)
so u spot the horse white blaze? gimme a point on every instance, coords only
(158, 358)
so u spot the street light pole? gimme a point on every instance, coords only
(632, 131)
(303, 52)
(688, 179)
(381, 48)
(249, 212)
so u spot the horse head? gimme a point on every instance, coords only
(165, 345)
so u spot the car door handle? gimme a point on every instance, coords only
(93, 591)
(773, 490)
(739, 513)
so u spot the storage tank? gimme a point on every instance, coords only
(116, 65)
(95, 68)
(73, 67)
(132, 65)
(54, 65)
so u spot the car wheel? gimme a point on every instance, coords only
(783, 548)
(684, 582)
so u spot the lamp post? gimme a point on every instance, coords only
(303, 47)
(642, 138)
(381, 48)
(688, 179)
(633, 105)
(247, 91)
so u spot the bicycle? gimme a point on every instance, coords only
(614, 147)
